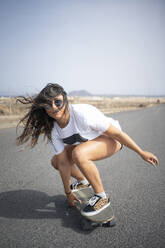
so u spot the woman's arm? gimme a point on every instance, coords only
(124, 139)
(64, 168)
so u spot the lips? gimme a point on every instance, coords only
(56, 113)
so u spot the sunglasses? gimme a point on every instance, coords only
(59, 103)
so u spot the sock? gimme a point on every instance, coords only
(102, 194)
(84, 181)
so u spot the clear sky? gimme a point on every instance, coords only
(102, 46)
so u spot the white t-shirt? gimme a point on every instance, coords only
(86, 123)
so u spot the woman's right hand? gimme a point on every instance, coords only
(71, 197)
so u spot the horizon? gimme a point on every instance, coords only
(69, 94)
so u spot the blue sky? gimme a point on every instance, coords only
(102, 46)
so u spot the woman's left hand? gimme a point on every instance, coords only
(150, 158)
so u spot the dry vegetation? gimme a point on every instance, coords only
(117, 104)
(10, 111)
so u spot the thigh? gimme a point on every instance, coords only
(97, 149)
(69, 149)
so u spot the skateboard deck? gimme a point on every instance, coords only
(104, 218)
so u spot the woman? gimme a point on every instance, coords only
(79, 134)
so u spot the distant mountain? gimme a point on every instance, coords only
(79, 93)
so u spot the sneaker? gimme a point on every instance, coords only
(95, 205)
(78, 185)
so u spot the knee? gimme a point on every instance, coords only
(77, 155)
(57, 164)
(54, 163)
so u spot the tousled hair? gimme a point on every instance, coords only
(36, 121)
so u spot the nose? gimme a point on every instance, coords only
(54, 107)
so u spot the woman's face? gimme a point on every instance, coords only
(57, 108)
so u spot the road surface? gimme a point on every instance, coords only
(33, 209)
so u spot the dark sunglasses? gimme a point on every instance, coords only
(59, 103)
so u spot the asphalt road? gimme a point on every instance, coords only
(33, 210)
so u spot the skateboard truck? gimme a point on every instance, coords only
(87, 225)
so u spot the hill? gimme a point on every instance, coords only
(79, 93)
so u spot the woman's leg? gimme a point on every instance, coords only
(75, 172)
(84, 155)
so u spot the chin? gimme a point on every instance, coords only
(57, 115)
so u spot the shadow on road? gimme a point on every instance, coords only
(31, 204)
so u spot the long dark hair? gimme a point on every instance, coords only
(36, 121)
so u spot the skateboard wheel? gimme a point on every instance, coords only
(86, 225)
(110, 223)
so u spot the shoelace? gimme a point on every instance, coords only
(75, 185)
(93, 200)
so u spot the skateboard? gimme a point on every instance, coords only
(105, 218)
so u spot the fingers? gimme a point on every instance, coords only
(154, 161)
(78, 200)
(72, 198)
